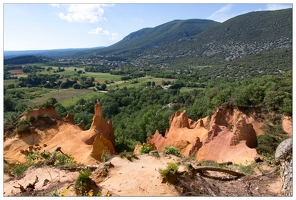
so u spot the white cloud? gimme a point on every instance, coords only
(222, 14)
(277, 6)
(101, 31)
(91, 13)
(55, 5)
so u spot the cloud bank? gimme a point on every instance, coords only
(101, 31)
(91, 13)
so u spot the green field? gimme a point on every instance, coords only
(103, 76)
(59, 94)
(9, 81)
(67, 97)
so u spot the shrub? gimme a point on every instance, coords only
(21, 168)
(169, 174)
(171, 150)
(23, 127)
(146, 148)
(82, 186)
(32, 157)
(272, 137)
(106, 155)
(64, 161)
(31, 119)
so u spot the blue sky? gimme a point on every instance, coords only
(38, 26)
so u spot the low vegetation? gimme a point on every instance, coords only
(146, 148)
(169, 173)
(128, 155)
(45, 158)
(171, 150)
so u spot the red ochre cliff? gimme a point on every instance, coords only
(85, 146)
(229, 136)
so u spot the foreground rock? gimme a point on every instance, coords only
(283, 155)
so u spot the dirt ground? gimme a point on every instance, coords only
(140, 177)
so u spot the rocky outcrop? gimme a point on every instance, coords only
(85, 146)
(100, 146)
(229, 136)
(283, 155)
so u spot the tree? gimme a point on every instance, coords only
(103, 86)
(9, 103)
(76, 86)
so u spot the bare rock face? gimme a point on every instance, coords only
(230, 137)
(85, 146)
(238, 123)
(99, 124)
(100, 146)
(283, 155)
(179, 120)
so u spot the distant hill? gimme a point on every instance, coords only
(194, 42)
(54, 53)
(25, 59)
(164, 34)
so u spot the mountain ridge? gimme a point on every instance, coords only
(199, 41)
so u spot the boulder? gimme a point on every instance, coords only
(283, 155)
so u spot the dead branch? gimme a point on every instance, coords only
(200, 169)
(29, 187)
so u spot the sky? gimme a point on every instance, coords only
(43, 26)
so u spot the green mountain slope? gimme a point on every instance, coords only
(200, 42)
(149, 38)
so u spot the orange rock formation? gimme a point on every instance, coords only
(85, 146)
(230, 137)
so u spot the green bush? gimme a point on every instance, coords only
(82, 183)
(64, 161)
(272, 137)
(146, 148)
(23, 127)
(32, 157)
(21, 168)
(171, 150)
(169, 173)
(31, 119)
